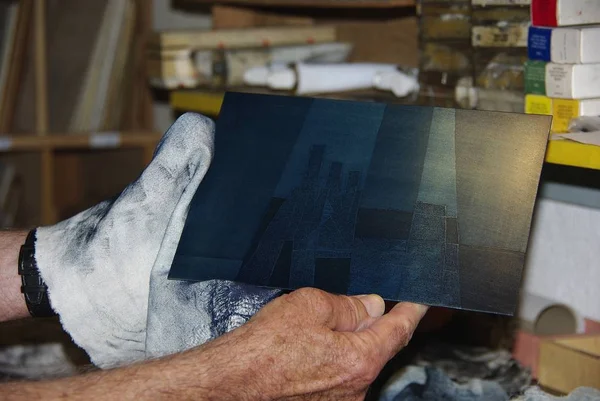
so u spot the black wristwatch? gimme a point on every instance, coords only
(33, 287)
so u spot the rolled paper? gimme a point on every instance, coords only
(324, 78)
(398, 82)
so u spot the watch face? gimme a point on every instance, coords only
(422, 204)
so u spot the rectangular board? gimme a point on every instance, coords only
(421, 204)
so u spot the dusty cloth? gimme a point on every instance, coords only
(579, 394)
(419, 383)
(106, 268)
(34, 362)
(462, 364)
(449, 372)
(432, 384)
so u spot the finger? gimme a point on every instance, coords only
(338, 312)
(390, 333)
(354, 313)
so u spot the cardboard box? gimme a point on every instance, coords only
(569, 362)
(509, 35)
(451, 57)
(565, 45)
(573, 81)
(562, 110)
(564, 12)
(441, 21)
(535, 77)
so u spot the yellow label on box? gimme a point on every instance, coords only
(564, 110)
(538, 104)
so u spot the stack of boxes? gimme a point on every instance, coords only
(499, 38)
(562, 75)
(445, 48)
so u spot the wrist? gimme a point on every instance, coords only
(12, 302)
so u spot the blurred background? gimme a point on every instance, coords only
(87, 88)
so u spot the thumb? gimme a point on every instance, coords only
(390, 333)
(355, 313)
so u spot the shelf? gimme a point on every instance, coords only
(313, 3)
(203, 102)
(100, 140)
(563, 152)
(570, 153)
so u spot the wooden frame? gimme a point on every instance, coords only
(137, 119)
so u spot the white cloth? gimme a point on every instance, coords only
(98, 264)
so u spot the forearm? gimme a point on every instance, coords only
(193, 374)
(12, 304)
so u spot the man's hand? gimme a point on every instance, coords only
(308, 345)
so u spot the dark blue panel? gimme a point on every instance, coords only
(413, 203)
(253, 142)
(397, 164)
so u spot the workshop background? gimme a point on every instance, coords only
(87, 88)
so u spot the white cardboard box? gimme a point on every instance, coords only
(576, 45)
(565, 12)
(573, 81)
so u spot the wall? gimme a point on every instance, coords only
(563, 261)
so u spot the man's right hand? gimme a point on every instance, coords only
(307, 345)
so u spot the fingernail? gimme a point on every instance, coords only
(374, 304)
(422, 308)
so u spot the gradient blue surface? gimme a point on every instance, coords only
(404, 201)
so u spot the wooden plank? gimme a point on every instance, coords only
(569, 153)
(378, 35)
(563, 369)
(107, 140)
(392, 41)
(228, 17)
(587, 344)
(314, 3)
(41, 84)
(240, 38)
(16, 67)
(138, 113)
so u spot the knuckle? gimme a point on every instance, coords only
(403, 333)
(318, 299)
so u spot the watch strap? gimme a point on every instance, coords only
(33, 287)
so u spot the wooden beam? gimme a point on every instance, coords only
(16, 65)
(313, 3)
